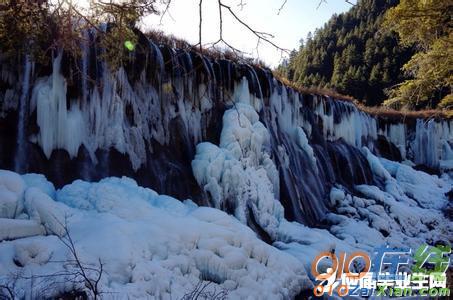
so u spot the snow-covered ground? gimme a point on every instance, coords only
(148, 244)
(155, 245)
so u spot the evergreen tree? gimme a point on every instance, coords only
(353, 54)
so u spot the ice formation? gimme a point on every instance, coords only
(130, 115)
(354, 126)
(60, 127)
(153, 244)
(407, 210)
(149, 244)
(404, 210)
(433, 142)
(103, 121)
(239, 175)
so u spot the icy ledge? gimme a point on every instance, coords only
(151, 245)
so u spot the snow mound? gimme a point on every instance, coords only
(427, 190)
(405, 211)
(11, 229)
(32, 252)
(39, 181)
(11, 194)
(44, 210)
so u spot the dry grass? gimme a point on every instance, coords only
(314, 90)
(378, 111)
(406, 114)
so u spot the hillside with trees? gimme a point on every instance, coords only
(366, 53)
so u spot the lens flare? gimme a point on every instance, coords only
(129, 45)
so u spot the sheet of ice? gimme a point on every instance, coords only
(155, 245)
(302, 142)
(354, 126)
(406, 210)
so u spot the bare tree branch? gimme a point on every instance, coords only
(166, 11)
(242, 4)
(281, 7)
(262, 36)
(201, 291)
(325, 1)
(321, 2)
(81, 270)
(200, 9)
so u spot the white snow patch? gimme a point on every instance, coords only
(44, 210)
(150, 245)
(11, 229)
(11, 194)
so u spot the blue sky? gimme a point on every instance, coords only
(293, 23)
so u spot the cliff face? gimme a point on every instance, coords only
(79, 119)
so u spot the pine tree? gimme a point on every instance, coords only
(346, 50)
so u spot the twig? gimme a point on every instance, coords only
(259, 34)
(200, 8)
(281, 7)
(321, 2)
(8, 290)
(166, 11)
(262, 36)
(81, 269)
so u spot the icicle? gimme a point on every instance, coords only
(396, 134)
(21, 151)
(432, 143)
(85, 60)
(60, 128)
(353, 126)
